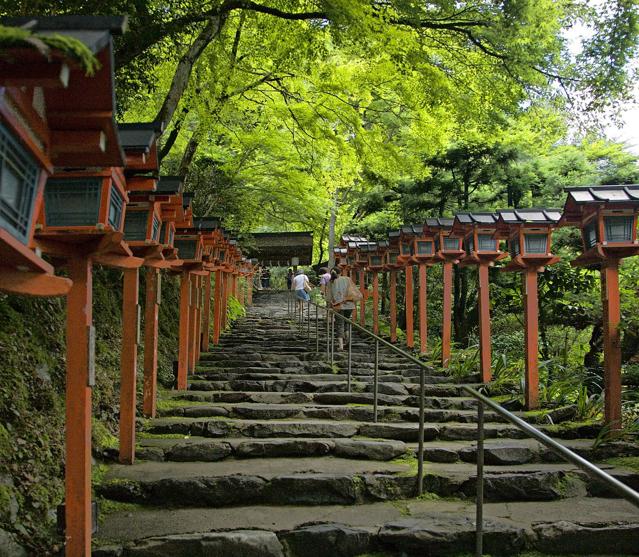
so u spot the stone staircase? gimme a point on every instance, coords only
(268, 454)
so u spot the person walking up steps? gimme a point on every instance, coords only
(343, 294)
(302, 286)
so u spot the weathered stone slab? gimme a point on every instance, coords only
(401, 432)
(314, 489)
(322, 540)
(300, 429)
(437, 535)
(282, 448)
(500, 455)
(371, 450)
(201, 451)
(617, 538)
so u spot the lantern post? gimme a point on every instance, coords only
(448, 248)
(406, 257)
(424, 254)
(528, 233)
(392, 266)
(54, 116)
(607, 217)
(482, 250)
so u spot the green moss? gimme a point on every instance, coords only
(630, 462)
(107, 507)
(171, 403)
(147, 435)
(102, 437)
(409, 460)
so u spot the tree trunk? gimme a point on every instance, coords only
(189, 153)
(321, 242)
(331, 232)
(185, 67)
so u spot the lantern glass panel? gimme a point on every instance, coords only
(392, 258)
(590, 234)
(135, 225)
(376, 260)
(72, 202)
(513, 247)
(163, 235)
(156, 228)
(618, 228)
(18, 185)
(116, 205)
(406, 248)
(424, 247)
(536, 243)
(186, 248)
(222, 254)
(485, 242)
(451, 244)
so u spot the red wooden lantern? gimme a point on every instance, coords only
(607, 217)
(53, 115)
(528, 232)
(482, 249)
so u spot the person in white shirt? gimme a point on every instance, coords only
(301, 285)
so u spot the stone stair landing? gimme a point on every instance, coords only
(268, 454)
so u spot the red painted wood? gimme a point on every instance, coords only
(447, 308)
(423, 320)
(217, 306)
(128, 365)
(78, 410)
(206, 314)
(612, 342)
(410, 334)
(376, 302)
(151, 342)
(484, 324)
(531, 338)
(193, 341)
(183, 350)
(393, 305)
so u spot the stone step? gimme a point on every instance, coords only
(312, 481)
(214, 427)
(193, 449)
(294, 384)
(297, 375)
(363, 413)
(520, 451)
(584, 526)
(338, 398)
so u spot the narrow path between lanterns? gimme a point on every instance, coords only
(268, 454)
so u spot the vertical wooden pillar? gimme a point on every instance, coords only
(376, 302)
(183, 352)
(249, 290)
(206, 314)
(447, 308)
(484, 324)
(226, 283)
(193, 340)
(151, 341)
(393, 305)
(217, 306)
(410, 337)
(531, 325)
(423, 320)
(362, 304)
(199, 306)
(612, 344)
(78, 409)
(128, 365)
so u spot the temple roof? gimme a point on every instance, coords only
(278, 248)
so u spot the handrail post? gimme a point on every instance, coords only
(479, 520)
(332, 338)
(316, 328)
(328, 335)
(375, 381)
(420, 440)
(308, 311)
(350, 347)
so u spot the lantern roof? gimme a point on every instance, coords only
(481, 218)
(170, 185)
(582, 199)
(532, 216)
(139, 136)
(206, 224)
(346, 238)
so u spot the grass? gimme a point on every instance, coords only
(630, 462)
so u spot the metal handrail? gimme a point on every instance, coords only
(593, 471)
(330, 350)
